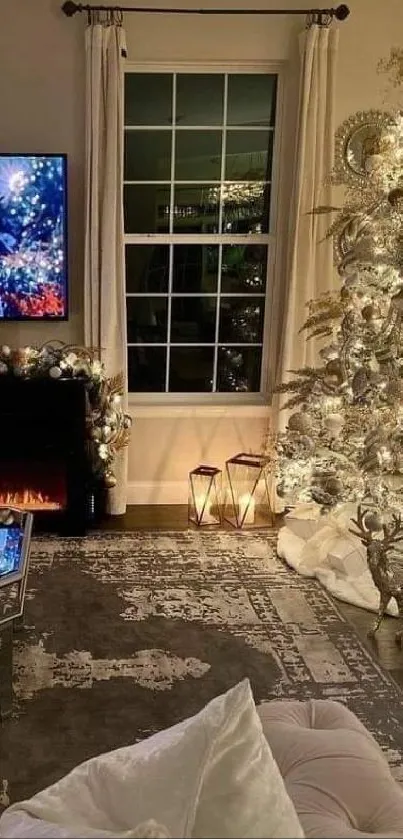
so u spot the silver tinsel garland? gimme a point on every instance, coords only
(108, 426)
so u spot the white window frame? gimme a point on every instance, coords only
(222, 399)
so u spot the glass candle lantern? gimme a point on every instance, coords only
(247, 498)
(205, 496)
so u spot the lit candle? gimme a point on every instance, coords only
(203, 509)
(246, 509)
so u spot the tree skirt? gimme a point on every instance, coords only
(128, 633)
(324, 547)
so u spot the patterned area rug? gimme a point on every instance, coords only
(128, 633)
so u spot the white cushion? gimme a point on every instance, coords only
(212, 775)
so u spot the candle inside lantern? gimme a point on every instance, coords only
(246, 509)
(203, 509)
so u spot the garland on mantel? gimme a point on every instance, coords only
(108, 426)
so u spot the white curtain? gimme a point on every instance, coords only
(104, 275)
(310, 269)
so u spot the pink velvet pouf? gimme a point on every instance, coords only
(335, 772)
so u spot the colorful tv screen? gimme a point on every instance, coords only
(10, 549)
(33, 237)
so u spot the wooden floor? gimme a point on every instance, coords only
(173, 517)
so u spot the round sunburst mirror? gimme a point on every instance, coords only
(358, 140)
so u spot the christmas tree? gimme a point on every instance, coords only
(32, 270)
(344, 438)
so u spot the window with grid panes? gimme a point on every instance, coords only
(197, 189)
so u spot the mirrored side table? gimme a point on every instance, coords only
(15, 545)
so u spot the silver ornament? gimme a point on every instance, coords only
(6, 351)
(333, 486)
(110, 480)
(3, 368)
(55, 372)
(394, 389)
(373, 521)
(300, 422)
(334, 424)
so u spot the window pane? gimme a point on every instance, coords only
(148, 155)
(146, 319)
(251, 99)
(147, 268)
(241, 320)
(148, 98)
(246, 208)
(195, 268)
(196, 209)
(239, 369)
(248, 155)
(146, 369)
(191, 369)
(198, 155)
(244, 268)
(199, 99)
(146, 208)
(193, 319)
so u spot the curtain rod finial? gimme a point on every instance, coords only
(342, 12)
(70, 8)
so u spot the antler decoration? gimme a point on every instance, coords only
(379, 539)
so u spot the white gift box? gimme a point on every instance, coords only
(347, 557)
(305, 520)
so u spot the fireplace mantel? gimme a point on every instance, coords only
(44, 450)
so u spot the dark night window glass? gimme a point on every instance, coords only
(239, 369)
(246, 208)
(191, 369)
(199, 99)
(195, 268)
(148, 98)
(148, 155)
(248, 155)
(146, 320)
(241, 320)
(251, 99)
(147, 268)
(244, 269)
(146, 208)
(146, 369)
(193, 319)
(198, 155)
(198, 160)
(196, 208)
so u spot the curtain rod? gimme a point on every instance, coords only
(71, 8)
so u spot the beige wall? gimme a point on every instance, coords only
(42, 73)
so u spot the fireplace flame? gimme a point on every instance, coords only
(28, 499)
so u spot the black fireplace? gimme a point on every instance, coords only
(44, 458)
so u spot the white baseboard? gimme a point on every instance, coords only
(157, 492)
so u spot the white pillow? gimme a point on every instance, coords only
(212, 775)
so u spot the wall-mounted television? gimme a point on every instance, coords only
(33, 237)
